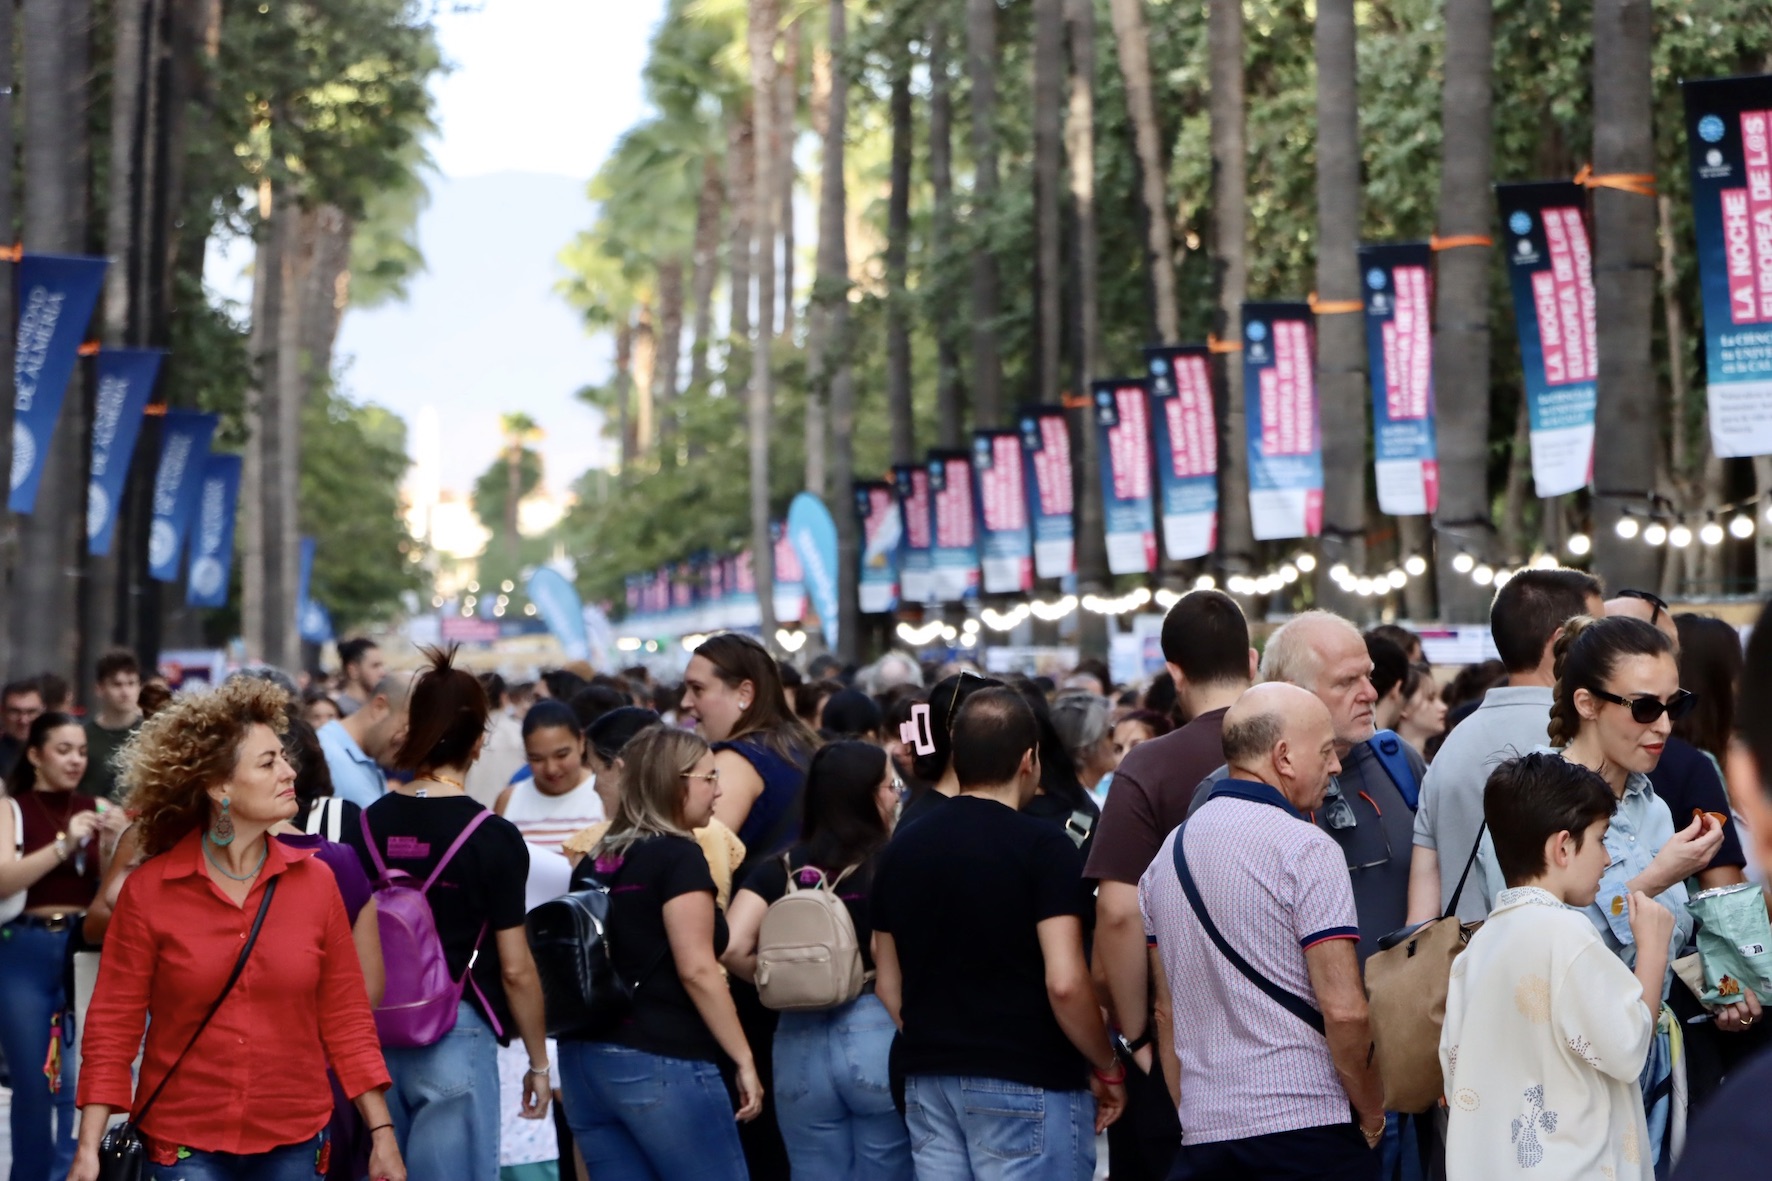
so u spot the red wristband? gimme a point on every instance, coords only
(1112, 1080)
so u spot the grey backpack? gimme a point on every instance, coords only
(808, 956)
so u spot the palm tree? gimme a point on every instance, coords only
(949, 396)
(1091, 538)
(898, 234)
(1461, 293)
(981, 66)
(519, 431)
(1229, 245)
(1048, 283)
(8, 275)
(1130, 37)
(1341, 346)
(1625, 426)
(833, 293)
(763, 32)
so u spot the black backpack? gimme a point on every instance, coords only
(569, 938)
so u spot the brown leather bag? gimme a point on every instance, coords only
(1406, 984)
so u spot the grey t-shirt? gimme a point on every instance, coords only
(1512, 721)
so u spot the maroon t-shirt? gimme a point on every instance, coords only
(1150, 796)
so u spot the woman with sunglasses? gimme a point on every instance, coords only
(1616, 699)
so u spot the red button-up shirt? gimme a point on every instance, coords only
(256, 1078)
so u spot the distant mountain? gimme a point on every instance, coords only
(483, 331)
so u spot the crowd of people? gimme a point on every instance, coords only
(908, 920)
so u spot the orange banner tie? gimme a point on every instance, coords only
(1073, 402)
(13, 253)
(89, 348)
(1640, 183)
(154, 409)
(1454, 241)
(1335, 307)
(1215, 345)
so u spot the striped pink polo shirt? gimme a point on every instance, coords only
(1274, 885)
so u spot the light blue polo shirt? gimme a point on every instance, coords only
(355, 776)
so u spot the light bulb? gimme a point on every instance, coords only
(1544, 562)
(1627, 527)
(1339, 572)
(1680, 536)
(1398, 579)
(1288, 573)
(1712, 533)
(1205, 582)
(1483, 575)
(1579, 544)
(1464, 563)
(1415, 565)
(1655, 533)
(1502, 578)
(1742, 526)
(1306, 562)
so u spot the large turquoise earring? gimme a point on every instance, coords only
(222, 832)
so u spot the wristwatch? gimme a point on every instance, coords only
(1129, 1048)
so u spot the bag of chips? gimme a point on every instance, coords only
(1734, 941)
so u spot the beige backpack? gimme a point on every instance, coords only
(808, 957)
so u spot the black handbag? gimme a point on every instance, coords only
(121, 1154)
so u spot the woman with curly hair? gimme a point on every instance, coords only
(243, 1093)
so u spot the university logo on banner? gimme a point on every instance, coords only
(1550, 269)
(1006, 548)
(212, 541)
(882, 536)
(1399, 297)
(1046, 445)
(125, 380)
(1123, 421)
(918, 572)
(1729, 130)
(56, 295)
(184, 449)
(1285, 439)
(953, 526)
(1187, 448)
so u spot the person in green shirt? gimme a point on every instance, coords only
(109, 726)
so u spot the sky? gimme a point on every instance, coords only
(538, 94)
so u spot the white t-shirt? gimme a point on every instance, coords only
(547, 821)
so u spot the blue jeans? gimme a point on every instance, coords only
(31, 993)
(986, 1129)
(444, 1102)
(292, 1162)
(832, 1096)
(643, 1117)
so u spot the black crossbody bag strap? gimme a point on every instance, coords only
(141, 1112)
(1452, 907)
(1289, 1001)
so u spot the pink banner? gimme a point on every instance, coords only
(1004, 502)
(1564, 299)
(954, 526)
(1193, 433)
(1129, 444)
(1408, 353)
(1288, 394)
(1052, 465)
(1747, 224)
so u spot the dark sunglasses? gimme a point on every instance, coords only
(1656, 602)
(1644, 710)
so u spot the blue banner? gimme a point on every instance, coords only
(1550, 268)
(1399, 298)
(918, 571)
(1006, 543)
(1046, 446)
(313, 622)
(125, 380)
(1285, 442)
(212, 541)
(1187, 448)
(184, 449)
(813, 534)
(56, 295)
(1729, 130)
(953, 527)
(557, 601)
(1123, 421)
(882, 537)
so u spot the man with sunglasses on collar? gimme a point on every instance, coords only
(1685, 778)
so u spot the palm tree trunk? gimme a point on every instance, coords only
(645, 371)
(787, 92)
(624, 392)
(8, 277)
(705, 268)
(981, 66)
(262, 608)
(833, 294)
(898, 233)
(670, 355)
(1461, 300)
(741, 190)
(818, 375)
(763, 32)
(1091, 539)
(1230, 266)
(949, 393)
(51, 541)
(1626, 425)
(1131, 37)
(1048, 129)
(1341, 346)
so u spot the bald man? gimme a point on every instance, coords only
(1276, 891)
(358, 747)
(1635, 604)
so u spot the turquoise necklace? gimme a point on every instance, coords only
(223, 870)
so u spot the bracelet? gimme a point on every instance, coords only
(380, 1127)
(1112, 1080)
(542, 1070)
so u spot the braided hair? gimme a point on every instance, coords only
(1586, 652)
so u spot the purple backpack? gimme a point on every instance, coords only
(419, 1002)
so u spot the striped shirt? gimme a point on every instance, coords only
(1274, 885)
(547, 821)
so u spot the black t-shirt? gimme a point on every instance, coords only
(919, 807)
(653, 871)
(770, 881)
(480, 890)
(962, 892)
(1685, 779)
(1727, 1138)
